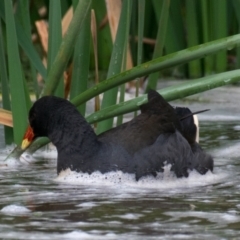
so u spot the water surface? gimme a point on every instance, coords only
(36, 205)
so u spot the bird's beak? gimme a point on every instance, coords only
(28, 138)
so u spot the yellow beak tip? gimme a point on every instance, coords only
(25, 144)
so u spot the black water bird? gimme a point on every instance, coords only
(142, 146)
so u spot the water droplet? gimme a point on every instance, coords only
(227, 80)
(230, 47)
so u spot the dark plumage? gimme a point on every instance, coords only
(78, 146)
(144, 129)
(142, 146)
(201, 161)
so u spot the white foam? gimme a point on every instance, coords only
(237, 127)
(230, 151)
(78, 234)
(48, 152)
(219, 218)
(26, 158)
(163, 181)
(15, 210)
(87, 205)
(130, 216)
(10, 162)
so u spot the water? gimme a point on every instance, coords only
(36, 205)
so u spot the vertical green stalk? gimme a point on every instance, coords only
(54, 40)
(194, 67)
(219, 14)
(115, 66)
(149, 27)
(64, 6)
(177, 19)
(133, 32)
(81, 60)
(104, 35)
(122, 87)
(176, 34)
(20, 103)
(66, 47)
(23, 16)
(208, 60)
(160, 41)
(26, 44)
(8, 132)
(124, 64)
(121, 100)
(141, 18)
(236, 7)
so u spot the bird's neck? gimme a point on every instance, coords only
(74, 135)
